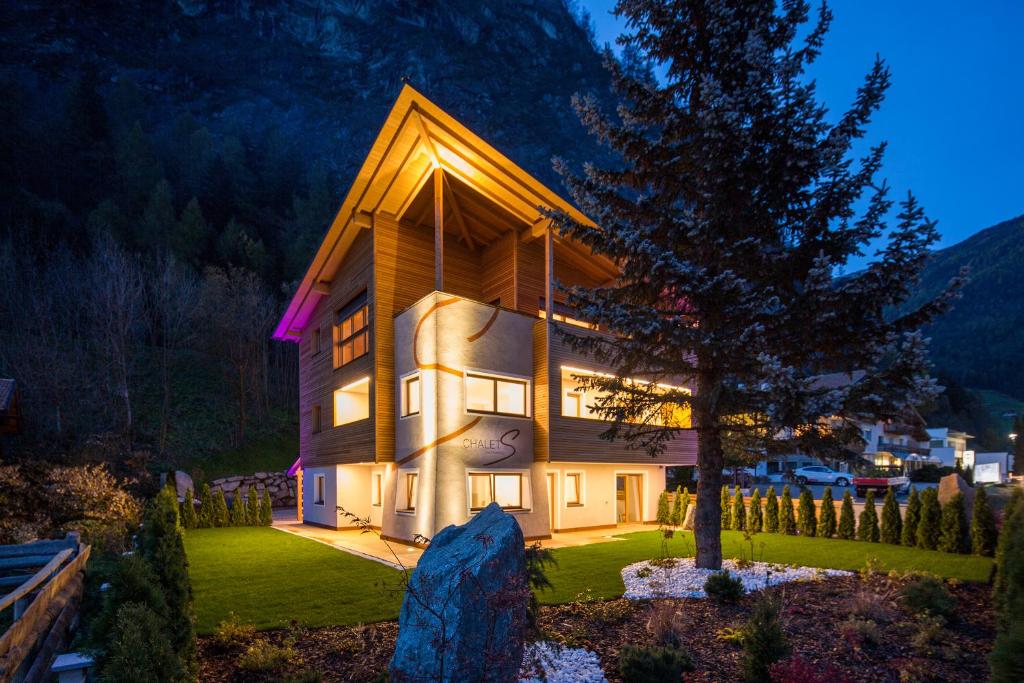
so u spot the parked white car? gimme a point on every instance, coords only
(819, 474)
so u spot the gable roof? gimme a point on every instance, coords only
(7, 390)
(417, 137)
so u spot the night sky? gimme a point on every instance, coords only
(954, 116)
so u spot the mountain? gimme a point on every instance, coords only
(980, 343)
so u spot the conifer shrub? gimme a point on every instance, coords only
(205, 517)
(771, 511)
(266, 509)
(675, 516)
(724, 587)
(908, 536)
(653, 664)
(238, 516)
(739, 511)
(928, 594)
(954, 535)
(806, 519)
(892, 523)
(983, 526)
(685, 506)
(929, 526)
(867, 525)
(131, 580)
(1007, 658)
(764, 641)
(787, 520)
(140, 649)
(847, 525)
(664, 516)
(827, 519)
(220, 515)
(189, 518)
(252, 504)
(726, 509)
(755, 523)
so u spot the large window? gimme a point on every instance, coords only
(505, 489)
(351, 333)
(563, 314)
(573, 489)
(319, 482)
(407, 492)
(352, 402)
(411, 395)
(581, 401)
(496, 394)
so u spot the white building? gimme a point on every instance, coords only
(949, 446)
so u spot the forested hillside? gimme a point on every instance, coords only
(168, 168)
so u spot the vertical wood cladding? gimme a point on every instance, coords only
(318, 378)
(541, 394)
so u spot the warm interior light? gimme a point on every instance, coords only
(352, 402)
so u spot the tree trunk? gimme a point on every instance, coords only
(707, 520)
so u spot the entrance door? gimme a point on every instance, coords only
(628, 498)
(552, 491)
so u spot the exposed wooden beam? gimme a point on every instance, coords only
(457, 214)
(362, 219)
(549, 270)
(539, 228)
(438, 229)
(322, 287)
(428, 144)
(515, 270)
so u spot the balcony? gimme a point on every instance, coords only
(901, 450)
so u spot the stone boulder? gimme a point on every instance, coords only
(688, 518)
(183, 483)
(464, 612)
(950, 485)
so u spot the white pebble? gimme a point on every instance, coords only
(555, 663)
(683, 580)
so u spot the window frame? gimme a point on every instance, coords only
(376, 489)
(317, 418)
(348, 389)
(578, 503)
(491, 490)
(358, 305)
(495, 378)
(317, 340)
(319, 489)
(411, 482)
(405, 392)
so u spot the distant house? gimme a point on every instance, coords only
(10, 411)
(950, 446)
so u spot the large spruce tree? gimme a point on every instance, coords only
(729, 211)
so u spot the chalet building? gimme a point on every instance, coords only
(433, 380)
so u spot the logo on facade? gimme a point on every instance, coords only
(502, 443)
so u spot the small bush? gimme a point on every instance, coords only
(302, 677)
(653, 664)
(908, 536)
(806, 519)
(726, 509)
(827, 519)
(263, 656)
(867, 527)
(953, 537)
(679, 506)
(232, 633)
(189, 519)
(868, 604)
(205, 507)
(1007, 658)
(787, 520)
(892, 523)
(140, 648)
(756, 521)
(928, 594)
(238, 516)
(771, 511)
(739, 511)
(664, 516)
(929, 635)
(847, 525)
(799, 670)
(764, 642)
(929, 527)
(859, 632)
(665, 624)
(266, 510)
(724, 587)
(252, 505)
(983, 526)
(133, 581)
(220, 514)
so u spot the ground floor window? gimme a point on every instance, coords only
(505, 489)
(407, 492)
(574, 489)
(375, 491)
(319, 484)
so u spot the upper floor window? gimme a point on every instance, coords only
(580, 400)
(937, 443)
(411, 395)
(317, 419)
(352, 332)
(562, 313)
(317, 341)
(496, 394)
(352, 402)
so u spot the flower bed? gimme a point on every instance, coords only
(679, 578)
(554, 663)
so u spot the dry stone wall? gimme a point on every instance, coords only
(282, 488)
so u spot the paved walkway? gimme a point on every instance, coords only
(371, 547)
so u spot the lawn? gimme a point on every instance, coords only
(270, 577)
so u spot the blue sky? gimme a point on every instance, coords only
(954, 116)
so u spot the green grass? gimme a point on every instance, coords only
(270, 577)
(272, 453)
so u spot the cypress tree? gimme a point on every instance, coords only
(220, 510)
(238, 509)
(929, 527)
(867, 525)
(953, 538)
(739, 511)
(676, 517)
(913, 517)
(686, 506)
(266, 509)
(892, 524)
(756, 521)
(846, 523)
(827, 520)
(664, 516)
(983, 526)
(771, 511)
(205, 507)
(787, 521)
(726, 509)
(704, 158)
(189, 519)
(1008, 588)
(806, 519)
(253, 507)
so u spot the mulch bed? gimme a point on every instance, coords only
(812, 616)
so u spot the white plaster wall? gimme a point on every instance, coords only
(598, 489)
(325, 514)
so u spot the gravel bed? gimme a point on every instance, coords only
(644, 580)
(554, 663)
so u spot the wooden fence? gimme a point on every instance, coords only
(41, 583)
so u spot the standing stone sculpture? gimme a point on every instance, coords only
(464, 613)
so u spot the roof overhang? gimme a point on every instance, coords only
(416, 138)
